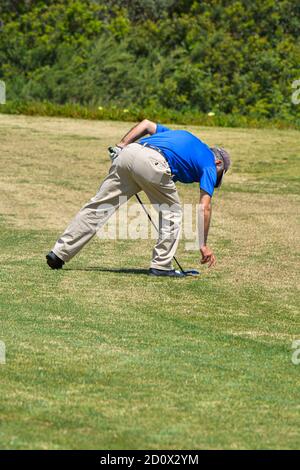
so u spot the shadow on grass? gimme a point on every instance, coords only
(111, 270)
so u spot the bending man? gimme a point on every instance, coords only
(151, 164)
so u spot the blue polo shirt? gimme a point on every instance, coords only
(190, 159)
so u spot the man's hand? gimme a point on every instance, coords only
(113, 152)
(207, 256)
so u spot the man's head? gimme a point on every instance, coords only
(223, 162)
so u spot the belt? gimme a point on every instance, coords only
(153, 148)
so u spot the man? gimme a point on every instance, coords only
(153, 164)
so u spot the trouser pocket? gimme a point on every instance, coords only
(159, 171)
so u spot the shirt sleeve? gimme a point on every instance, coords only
(208, 180)
(161, 128)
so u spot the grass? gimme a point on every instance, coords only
(159, 114)
(98, 357)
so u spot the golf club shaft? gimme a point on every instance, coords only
(156, 228)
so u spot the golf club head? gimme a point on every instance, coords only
(191, 272)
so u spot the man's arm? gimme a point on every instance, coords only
(204, 223)
(142, 128)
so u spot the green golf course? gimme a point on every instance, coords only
(101, 355)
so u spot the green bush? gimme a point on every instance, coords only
(232, 57)
(134, 113)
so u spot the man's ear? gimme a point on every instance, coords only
(219, 161)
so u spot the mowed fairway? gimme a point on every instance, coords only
(98, 357)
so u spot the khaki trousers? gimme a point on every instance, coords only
(136, 168)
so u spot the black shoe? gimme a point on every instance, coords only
(54, 261)
(162, 272)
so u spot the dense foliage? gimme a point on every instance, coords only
(222, 56)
